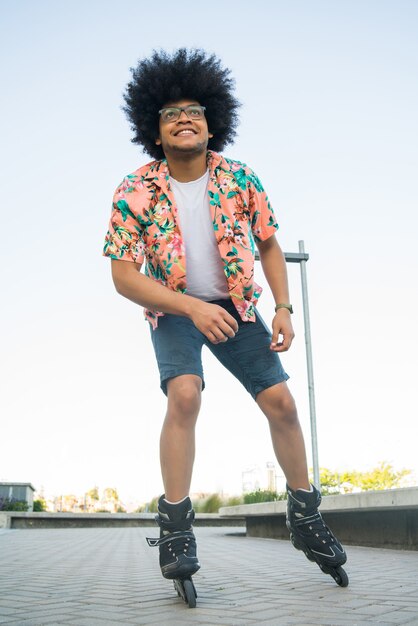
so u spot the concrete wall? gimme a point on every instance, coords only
(388, 529)
(16, 519)
(385, 519)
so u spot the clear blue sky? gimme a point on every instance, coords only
(329, 123)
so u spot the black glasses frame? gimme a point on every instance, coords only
(179, 111)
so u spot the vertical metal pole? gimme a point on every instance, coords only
(309, 364)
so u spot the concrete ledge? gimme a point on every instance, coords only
(17, 519)
(386, 519)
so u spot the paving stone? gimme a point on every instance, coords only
(400, 617)
(6, 610)
(93, 621)
(92, 577)
(42, 621)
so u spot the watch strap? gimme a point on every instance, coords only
(283, 306)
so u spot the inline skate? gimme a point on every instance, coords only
(177, 544)
(309, 533)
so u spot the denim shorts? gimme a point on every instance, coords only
(178, 348)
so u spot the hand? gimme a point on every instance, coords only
(214, 322)
(282, 325)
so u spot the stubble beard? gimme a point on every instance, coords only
(185, 152)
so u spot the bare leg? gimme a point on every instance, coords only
(177, 441)
(279, 407)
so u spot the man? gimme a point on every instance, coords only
(196, 217)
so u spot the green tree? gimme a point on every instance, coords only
(330, 481)
(384, 476)
(93, 493)
(39, 505)
(110, 493)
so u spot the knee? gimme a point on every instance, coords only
(280, 410)
(184, 402)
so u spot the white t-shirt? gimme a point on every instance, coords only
(204, 272)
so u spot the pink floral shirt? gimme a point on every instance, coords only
(144, 225)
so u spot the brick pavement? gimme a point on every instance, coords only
(109, 576)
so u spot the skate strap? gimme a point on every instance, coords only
(152, 542)
(316, 524)
(182, 534)
(174, 526)
(312, 504)
(313, 520)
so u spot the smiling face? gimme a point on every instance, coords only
(184, 136)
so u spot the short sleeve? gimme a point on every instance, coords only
(263, 220)
(124, 237)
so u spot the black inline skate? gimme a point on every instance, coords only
(309, 533)
(177, 544)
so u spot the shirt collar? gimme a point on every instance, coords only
(159, 173)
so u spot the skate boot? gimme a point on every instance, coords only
(177, 542)
(309, 533)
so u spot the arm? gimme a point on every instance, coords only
(212, 320)
(274, 267)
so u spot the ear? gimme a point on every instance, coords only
(158, 141)
(210, 135)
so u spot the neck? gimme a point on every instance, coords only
(185, 168)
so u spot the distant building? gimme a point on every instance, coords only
(267, 478)
(88, 503)
(18, 491)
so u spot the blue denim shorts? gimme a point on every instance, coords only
(178, 348)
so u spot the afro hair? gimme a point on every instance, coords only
(186, 74)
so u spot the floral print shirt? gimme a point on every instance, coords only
(144, 225)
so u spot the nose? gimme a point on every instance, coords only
(183, 117)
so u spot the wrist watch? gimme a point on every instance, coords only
(283, 306)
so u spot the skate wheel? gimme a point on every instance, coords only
(190, 592)
(340, 577)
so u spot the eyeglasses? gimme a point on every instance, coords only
(172, 114)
